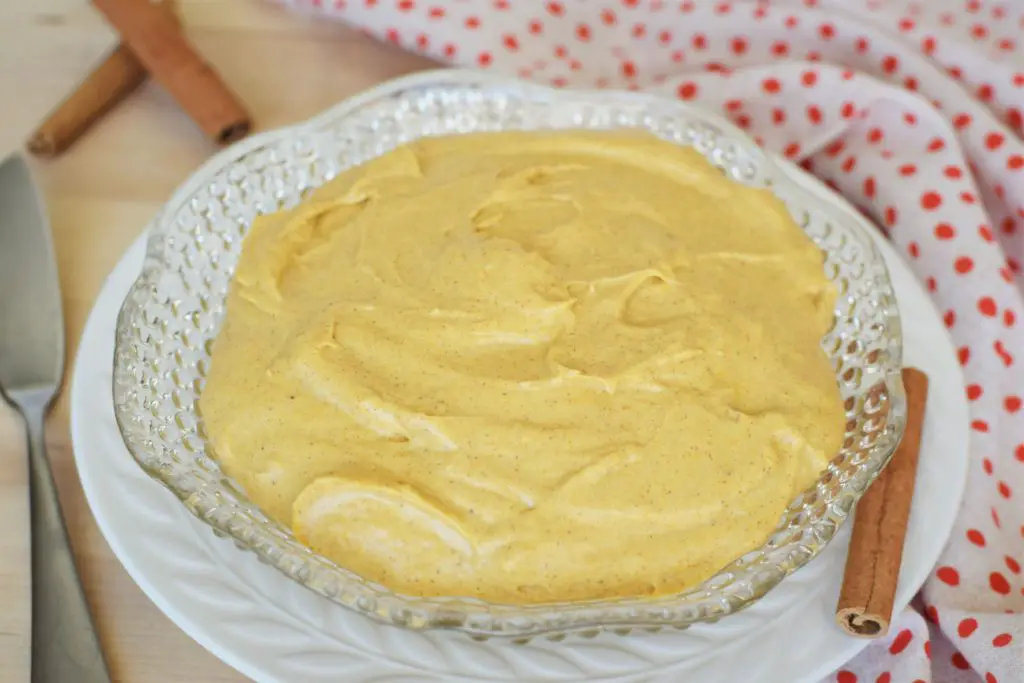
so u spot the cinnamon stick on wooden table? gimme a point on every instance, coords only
(880, 527)
(155, 40)
(116, 77)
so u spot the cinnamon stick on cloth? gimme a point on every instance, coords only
(162, 49)
(880, 526)
(116, 77)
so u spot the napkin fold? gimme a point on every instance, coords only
(913, 112)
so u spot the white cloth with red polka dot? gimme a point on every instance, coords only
(911, 110)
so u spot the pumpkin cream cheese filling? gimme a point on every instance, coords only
(527, 367)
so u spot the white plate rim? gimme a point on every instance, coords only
(92, 488)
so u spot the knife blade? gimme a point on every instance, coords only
(65, 646)
(31, 324)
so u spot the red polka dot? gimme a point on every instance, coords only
(792, 150)
(483, 59)
(1009, 318)
(900, 642)
(913, 249)
(936, 145)
(583, 32)
(556, 9)
(629, 69)
(862, 45)
(890, 215)
(960, 662)
(964, 265)
(835, 148)
(848, 164)
(948, 575)
(890, 64)
(974, 392)
(814, 114)
(1002, 640)
(739, 45)
(979, 426)
(826, 31)
(845, 676)
(994, 140)
(1018, 452)
(687, 91)
(991, 678)
(875, 135)
(908, 169)
(771, 85)
(884, 677)
(1008, 225)
(967, 198)
(976, 537)
(869, 187)
(944, 231)
(1012, 403)
(910, 83)
(1004, 489)
(987, 306)
(699, 41)
(985, 233)
(986, 465)
(778, 116)
(1015, 162)
(995, 519)
(848, 110)
(966, 627)
(608, 17)
(962, 120)
(1012, 564)
(931, 200)
(1005, 355)
(949, 318)
(963, 354)
(931, 613)
(809, 78)
(953, 172)
(998, 583)
(780, 48)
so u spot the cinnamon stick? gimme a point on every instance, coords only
(880, 527)
(170, 59)
(116, 77)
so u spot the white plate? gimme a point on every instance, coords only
(272, 629)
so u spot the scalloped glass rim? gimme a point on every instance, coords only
(281, 165)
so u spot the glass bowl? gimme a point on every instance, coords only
(173, 311)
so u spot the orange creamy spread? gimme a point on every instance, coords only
(527, 367)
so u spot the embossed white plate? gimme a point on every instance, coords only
(271, 629)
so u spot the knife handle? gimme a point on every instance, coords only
(65, 646)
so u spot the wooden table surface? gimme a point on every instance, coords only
(99, 195)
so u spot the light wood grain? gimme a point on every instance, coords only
(99, 195)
